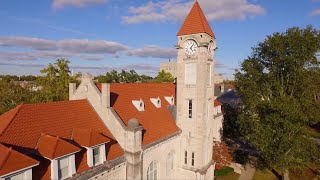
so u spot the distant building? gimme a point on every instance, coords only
(169, 67)
(31, 85)
(218, 78)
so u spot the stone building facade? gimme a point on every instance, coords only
(123, 131)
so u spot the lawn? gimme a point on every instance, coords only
(230, 176)
(314, 132)
(309, 172)
(264, 175)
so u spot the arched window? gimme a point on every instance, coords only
(170, 161)
(152, 171)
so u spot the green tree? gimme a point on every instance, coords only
(122, 77)
(164, 77)
(277, 84)
(11, 95)
(55, 83)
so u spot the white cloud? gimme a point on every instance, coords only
(153, 52)
(38, 48)
(59, 4)
(68, 45)
(176, 10)
(315, 12)
(40, 55)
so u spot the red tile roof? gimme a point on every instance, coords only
(54, 147)
(88, 137)
(11, 160)
(195, 22)
(22, 126)
(6, 118)
(217, 103)
(157, 122)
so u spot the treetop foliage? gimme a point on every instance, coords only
(278, 83)
(164, 77)
(123, 77)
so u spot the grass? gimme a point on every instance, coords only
(310, 172)
(264, 175)
(314, 133)
(224, 171)
(230, 176)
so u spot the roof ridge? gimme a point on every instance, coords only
(18, 110)
(56, 145)
(200, 15)
(53, 102)
(7, 157)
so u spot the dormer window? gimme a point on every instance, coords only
(170, 99)
(156, 102)
(138, 104)
(96, 156)
(63, 168)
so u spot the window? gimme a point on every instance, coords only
(192, 159)
(208, 74)
(16, 177)
(96, 156)
(63, 168)
(170, 163)
(190, 108)
(191, 74)
(185, 157)
(152, 173)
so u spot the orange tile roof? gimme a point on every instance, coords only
(22, 126)
(11, 160)
(195, 22)
(6, 118)
(217, 103)
(113, 150)
(88, 137)
(54, 147)
(157, 122)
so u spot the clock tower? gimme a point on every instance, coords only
(195, 93)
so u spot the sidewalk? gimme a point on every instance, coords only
(247, 173)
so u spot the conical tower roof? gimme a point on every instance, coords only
(196, 22)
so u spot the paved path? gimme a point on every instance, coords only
(247, 173)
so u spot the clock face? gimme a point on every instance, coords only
(191, 47)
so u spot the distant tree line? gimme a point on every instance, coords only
(53, 85)
(133, 77)
(18, 78)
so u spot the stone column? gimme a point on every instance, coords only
(133, 150)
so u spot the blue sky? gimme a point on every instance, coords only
(100, 35)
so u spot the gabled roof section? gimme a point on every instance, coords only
(11, 160)
(157, 122)
(88, 137)
(54, 118)
(196, 22)
(217, 103)
(6, 118)
(53, 147)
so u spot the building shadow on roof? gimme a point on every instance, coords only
(113, 98)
